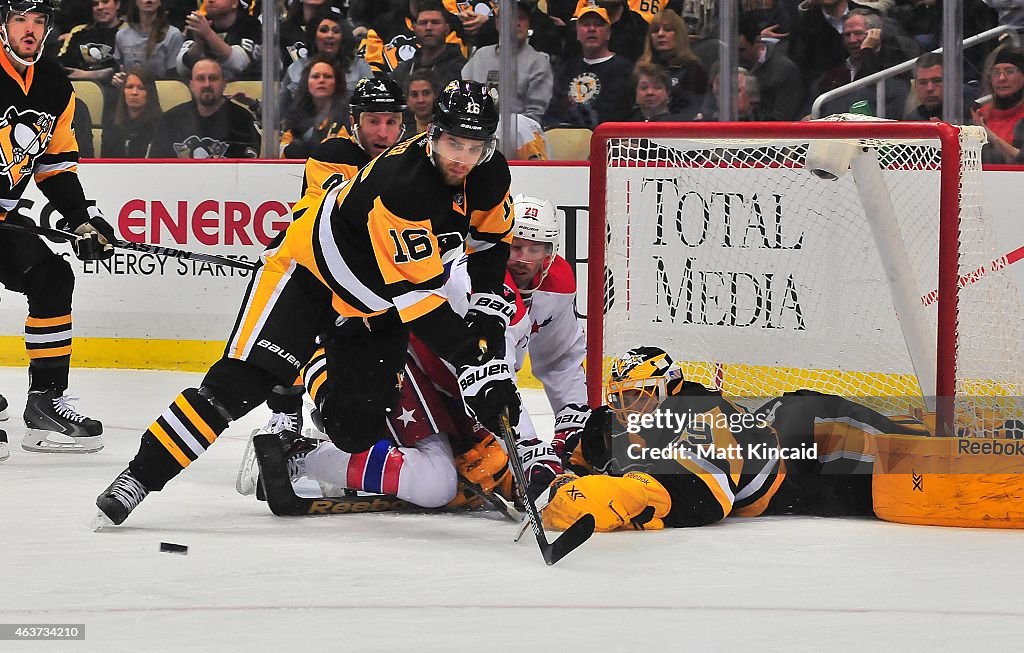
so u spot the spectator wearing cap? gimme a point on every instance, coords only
(1002, 118)
(535, 78)
(593, 87)
(628, 28)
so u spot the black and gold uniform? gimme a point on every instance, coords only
(371, 251)
(332, 162)
(392, 41)
(804, 453)
(37, 141)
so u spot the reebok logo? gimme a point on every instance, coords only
(986, 447)
(275, 349)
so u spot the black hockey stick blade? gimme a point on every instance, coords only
(58, 235)
(577, 533)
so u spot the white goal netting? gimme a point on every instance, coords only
(761, 277)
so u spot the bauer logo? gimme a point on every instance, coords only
(275, 349)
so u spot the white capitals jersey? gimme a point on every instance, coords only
(546, 327)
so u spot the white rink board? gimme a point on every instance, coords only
(231, 209)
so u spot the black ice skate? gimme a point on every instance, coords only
(121, 497)
(3, 408)
(5, 452)
(55, 427)
(285, 421)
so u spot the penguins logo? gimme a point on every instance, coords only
(195, 147)
(585, 88)
(24, 135)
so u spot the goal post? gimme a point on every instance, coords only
(847, 256)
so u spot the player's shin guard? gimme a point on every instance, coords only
(179, 436)
(423, 475)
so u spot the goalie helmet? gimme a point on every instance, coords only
(640, 380)
(8, 7)
(535, 221)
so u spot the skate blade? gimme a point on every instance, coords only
(3, 415)
(101, 522)
(5, 452)
(245, 482)
(39, 441)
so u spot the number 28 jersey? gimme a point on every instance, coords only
(382, 239)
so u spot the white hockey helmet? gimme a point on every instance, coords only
(535, 221)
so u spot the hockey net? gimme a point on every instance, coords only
(886, 285)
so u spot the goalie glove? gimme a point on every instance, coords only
(488, 317)
(488, 388)
(632, 502)
(96, 235)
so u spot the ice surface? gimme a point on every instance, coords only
(385, 582)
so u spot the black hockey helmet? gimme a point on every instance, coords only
(376, 95)
(7, 7)
(468, 109)
(46, 7)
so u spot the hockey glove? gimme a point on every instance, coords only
(541, 464)
(569, 425)
(486, 466)
(487, 318)
(633, 502)
(488, 388)
(97, 235)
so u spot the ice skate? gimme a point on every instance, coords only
(285, 421)
(121, 497)
(3, 408)
(55, 427)
(5, 451)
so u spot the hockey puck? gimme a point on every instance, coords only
(167, 547)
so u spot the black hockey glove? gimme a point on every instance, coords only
(488, 388)
(569, 424)
(487, 318)
(96, 235)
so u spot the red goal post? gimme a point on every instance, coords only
(716, 242)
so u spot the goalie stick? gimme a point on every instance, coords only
(580, 530)
(70, 237)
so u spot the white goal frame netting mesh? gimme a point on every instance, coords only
(885, 285)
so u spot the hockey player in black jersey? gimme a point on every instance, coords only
(372, 251)
(375, 124)
(37, 141)
(724, 461)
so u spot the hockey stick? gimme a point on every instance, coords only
(580, 530)
(67, 236)
(283, 501)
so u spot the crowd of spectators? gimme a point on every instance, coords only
(580, 63)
